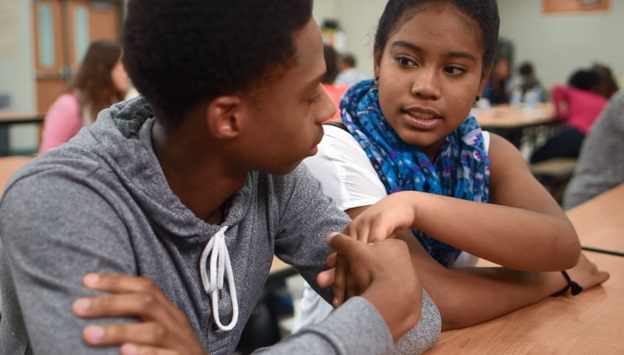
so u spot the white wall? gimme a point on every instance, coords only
(559, 44)
(17, 74)
(358, 19)
(556, 44)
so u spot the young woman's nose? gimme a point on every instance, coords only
(426, 84)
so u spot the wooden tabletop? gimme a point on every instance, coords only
(8, 117)
(505, 116)
(589, 323)
(599, 222)
(8, 166)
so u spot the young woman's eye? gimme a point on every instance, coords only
(454, 70)
(404, 61)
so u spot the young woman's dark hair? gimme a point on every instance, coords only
(227, 49)
(584, 79)
(93, 81)
(608, 84)
(484, 13)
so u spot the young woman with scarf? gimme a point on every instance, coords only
(410, 145)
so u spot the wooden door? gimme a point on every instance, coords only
(62, 32)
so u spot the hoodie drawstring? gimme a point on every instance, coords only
(219, 262)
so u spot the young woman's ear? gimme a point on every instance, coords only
(376, 65)
(224, 116)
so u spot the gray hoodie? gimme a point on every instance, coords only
(101, 203)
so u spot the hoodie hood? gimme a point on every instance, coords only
(122, 139)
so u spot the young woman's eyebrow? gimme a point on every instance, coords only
(462, 55)
(408, 45)
(416, 48)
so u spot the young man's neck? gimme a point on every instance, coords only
(196, 171)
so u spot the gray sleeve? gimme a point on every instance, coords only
(425, 334)
(601, 161)
(307, 218)
(354, 328)
(303, 244)
(51, 238)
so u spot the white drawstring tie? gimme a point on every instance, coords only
(214, 285)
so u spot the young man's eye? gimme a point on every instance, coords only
(314, 98)
(454, 70)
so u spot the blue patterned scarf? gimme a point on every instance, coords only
(461, 168)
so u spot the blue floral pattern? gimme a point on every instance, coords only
(461, 168)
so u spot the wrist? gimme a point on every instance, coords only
(401, 312)
(570, 286)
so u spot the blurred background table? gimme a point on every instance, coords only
(8, 166)
(9, 118)
(517, 123)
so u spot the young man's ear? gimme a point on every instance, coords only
(224, 116)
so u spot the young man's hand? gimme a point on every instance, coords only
(383, 274)
(165, 330)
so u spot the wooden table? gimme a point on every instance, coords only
(8, 166)
(590, 323)
(513, 122)
(599, 222)
(10, 118)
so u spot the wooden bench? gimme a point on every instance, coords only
(554, 174)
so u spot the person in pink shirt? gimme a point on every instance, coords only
(578, 105)
(335, 91)
(101, 81)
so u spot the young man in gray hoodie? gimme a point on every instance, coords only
(197, 185)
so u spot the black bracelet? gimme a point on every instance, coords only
(574, 288)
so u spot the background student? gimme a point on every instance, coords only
(334, 90)
(578, 105)
(411, 147)
(204, 167)
(101, 81)
(601, 163)
(349, 74)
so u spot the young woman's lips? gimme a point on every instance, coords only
(422, 120)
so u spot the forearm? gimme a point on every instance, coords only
(504, 235)
(354, 327)
(470, 296)
(474, 295)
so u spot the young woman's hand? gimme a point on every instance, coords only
(381, 220)
(164, 329)
(586, 273)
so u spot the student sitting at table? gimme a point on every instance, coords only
(496, 90)
(101, 81)
(334, 90)
(410, 147)
(197, 185)
(601, 162)
(577, 105)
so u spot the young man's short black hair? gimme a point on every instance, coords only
(180, 53)
(349, 60)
